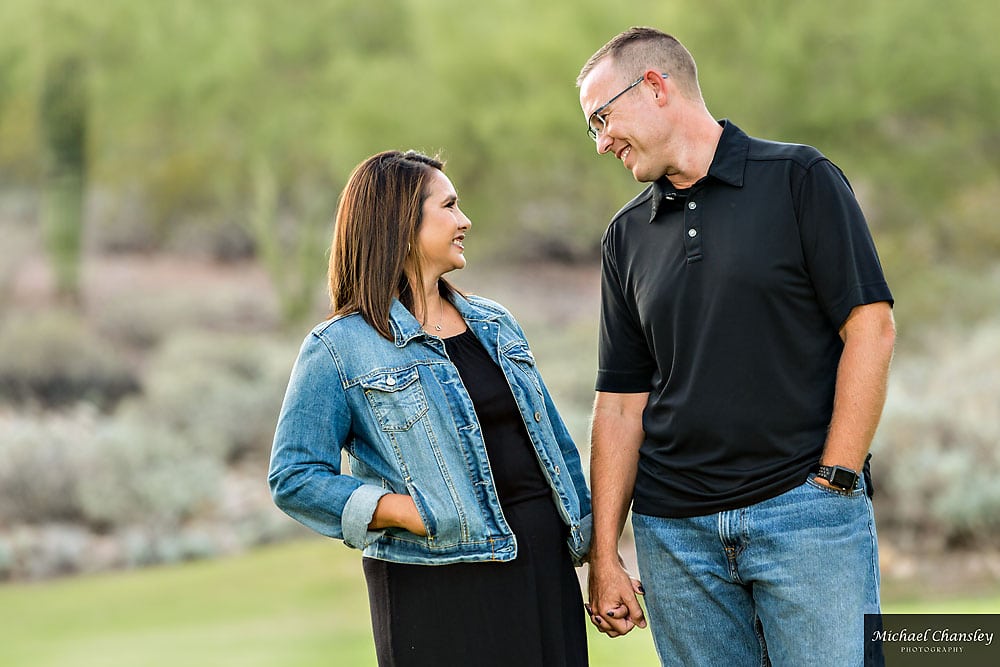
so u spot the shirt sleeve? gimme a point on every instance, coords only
(839, 252)
(625, 364)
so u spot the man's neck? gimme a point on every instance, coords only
(698, 149)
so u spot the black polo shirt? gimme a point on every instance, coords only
(724, 302)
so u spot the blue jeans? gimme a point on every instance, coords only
(786, 581)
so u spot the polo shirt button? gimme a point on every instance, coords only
(692, 233)
(538, 416)
(692, 205)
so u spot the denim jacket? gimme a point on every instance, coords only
(401, 413)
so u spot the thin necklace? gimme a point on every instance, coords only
(437, 327)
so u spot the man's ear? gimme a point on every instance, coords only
(658, 82)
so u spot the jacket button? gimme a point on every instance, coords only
(538, 416)
(390, 380)
(557, 470)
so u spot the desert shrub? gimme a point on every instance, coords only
(45, 551)
(39, 464)
(119, 221)
(52, 359)
(141, 319)
(138, 324)
(208, 238)
(28, 553)
(20, 240)
(141, 547)
(106, 473)
(6, 559)
(223, 392)
(938, 471)
(137, 472)
(85, 492)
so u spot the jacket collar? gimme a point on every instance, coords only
(405, 327)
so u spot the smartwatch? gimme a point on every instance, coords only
(839, 477)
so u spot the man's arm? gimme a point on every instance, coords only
(616, 436)
(869, 335)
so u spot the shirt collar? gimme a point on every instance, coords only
(727, 166)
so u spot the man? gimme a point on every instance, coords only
(746, 334)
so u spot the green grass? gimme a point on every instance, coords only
(298, 604)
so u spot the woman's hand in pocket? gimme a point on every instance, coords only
(397, 510)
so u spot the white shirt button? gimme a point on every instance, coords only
(692, 233)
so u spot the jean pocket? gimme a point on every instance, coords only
(396, 397)
(857, 492)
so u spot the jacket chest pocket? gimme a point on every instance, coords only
(522, 358)
(396, 398)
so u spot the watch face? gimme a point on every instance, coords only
(843, 478)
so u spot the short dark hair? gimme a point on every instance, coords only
(640, 48)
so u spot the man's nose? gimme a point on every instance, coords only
(603, 143)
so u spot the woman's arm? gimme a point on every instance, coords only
(305, 473)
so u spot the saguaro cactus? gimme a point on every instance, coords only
(63, 124)
(290, 247)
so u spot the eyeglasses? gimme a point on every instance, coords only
(596, 122)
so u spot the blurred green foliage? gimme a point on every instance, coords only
(191, 100)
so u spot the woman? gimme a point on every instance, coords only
(465, 491)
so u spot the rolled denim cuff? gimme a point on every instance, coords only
(586, 533)
(358, 513)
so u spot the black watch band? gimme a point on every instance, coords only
(838, 476)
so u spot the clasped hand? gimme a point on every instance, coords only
(614, 606)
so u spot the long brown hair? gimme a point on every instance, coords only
(374, 254)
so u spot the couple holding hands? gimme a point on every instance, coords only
(746, 333)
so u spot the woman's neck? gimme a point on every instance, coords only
(428, 310)
(432, 292)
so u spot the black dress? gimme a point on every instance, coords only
(527, 612)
